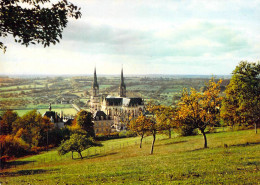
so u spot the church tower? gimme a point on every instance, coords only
(94, 100)
(122, 87)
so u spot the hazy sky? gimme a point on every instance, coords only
(146, 37)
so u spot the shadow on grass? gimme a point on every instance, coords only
(12, 164)
(172, 143)
(247, 144)
(25, 172)
(96, 156)
(198, 149)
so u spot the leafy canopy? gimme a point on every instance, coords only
(76, 143)
(199, 110)
(242, 102)
(35, 21)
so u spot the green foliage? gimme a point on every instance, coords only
(84, 120)
(242, 102)
(186, 130)
(127, 133)
(76, 143)
(32, 128)
(8, 117)
(37, 22)
(27, 133)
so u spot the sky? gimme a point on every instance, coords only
(146, 37)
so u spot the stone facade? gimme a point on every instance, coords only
(114, 110)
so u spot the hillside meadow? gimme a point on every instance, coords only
(232, 158)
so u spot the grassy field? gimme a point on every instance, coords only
(42, 108)
(120, 161)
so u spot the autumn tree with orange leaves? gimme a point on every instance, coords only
(165, 117)
(200, 110)
(140, 126)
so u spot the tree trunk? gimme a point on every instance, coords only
(170, 133)
(255, 128)
(141, 141)
(71, 154)
(80, 155)
(154, 136)
(205, 139)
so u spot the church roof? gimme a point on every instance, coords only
(118, 101)
(113, 101)
(99, 114)
(134, 101)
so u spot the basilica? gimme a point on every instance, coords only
(111, 112)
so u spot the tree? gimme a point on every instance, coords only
(242, 101)
(154, 125)
(76, 143)
(140, 125)
(200, 110)
(8, 117)
(84, 120)
(35, 21)
(32, 128)
(229, 112)
(165, 117)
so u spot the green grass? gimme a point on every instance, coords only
(177, 160)
(66, 111)
(143, 87)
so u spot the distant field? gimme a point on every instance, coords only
(13, 87)
(104, 86)
(67, 111)
(66, 108)
(144, 87)
(180, 160)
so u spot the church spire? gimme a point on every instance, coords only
(122, 77)
(122, 87)
(95, 84)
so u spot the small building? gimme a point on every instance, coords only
(102, 123)
(55, 118)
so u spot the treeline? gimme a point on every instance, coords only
(28, 134)
(204, 110)
(33, 132)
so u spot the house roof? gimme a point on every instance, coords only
(52, 114)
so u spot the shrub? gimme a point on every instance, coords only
(130, 133)
(186, 130)
(122, 134)
(13, 147)
(212, 130)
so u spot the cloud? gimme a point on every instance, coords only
(147, 37)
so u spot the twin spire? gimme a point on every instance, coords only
(122, 87)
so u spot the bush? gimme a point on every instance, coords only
(212, 130)
(186, 130)
(130, 133)
(122, 134)
(13, 147)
